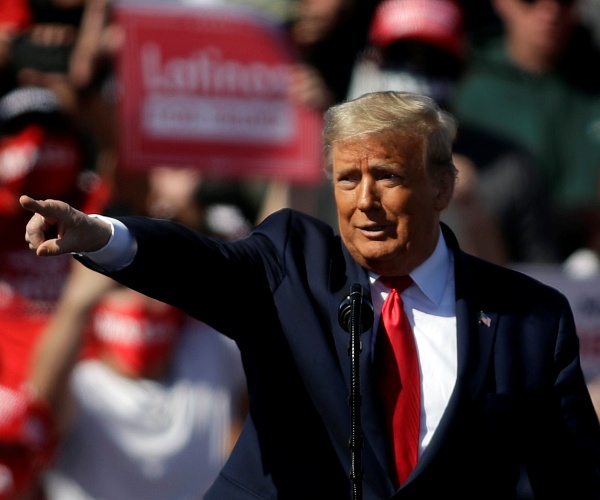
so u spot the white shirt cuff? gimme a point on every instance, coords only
(120, 249)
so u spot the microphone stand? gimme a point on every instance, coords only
(355, 316)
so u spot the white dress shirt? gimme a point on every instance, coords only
(430, 305)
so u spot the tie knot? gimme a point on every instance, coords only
(398, 283)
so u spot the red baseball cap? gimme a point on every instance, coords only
(138, 333)
(37, 162)
(439, 22)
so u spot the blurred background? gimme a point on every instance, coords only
(208, 112)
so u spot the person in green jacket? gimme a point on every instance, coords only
(532, 83)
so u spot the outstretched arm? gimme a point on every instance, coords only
(57, 228)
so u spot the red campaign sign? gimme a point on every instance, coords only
(207, 88)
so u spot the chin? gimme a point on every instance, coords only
(378, 264)
(389, 263)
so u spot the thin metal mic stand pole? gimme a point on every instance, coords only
(356, 468)
(355, 315)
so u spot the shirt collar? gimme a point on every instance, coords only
(431, 275)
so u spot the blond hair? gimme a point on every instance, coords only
(404, 113)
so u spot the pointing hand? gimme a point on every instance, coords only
(57, 228)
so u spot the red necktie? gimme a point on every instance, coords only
(397, 372)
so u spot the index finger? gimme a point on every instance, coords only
(51, 210)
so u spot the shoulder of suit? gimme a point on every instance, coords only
(291, 217)
(506, 280)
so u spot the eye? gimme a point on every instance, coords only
(389, 177)
(346, 184)
(348, 179)
(386, 171)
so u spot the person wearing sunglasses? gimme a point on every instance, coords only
(531, 81)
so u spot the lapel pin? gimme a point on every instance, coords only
(485, 319)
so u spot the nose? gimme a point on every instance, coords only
(367, 194)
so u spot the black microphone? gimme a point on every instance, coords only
(359, 298)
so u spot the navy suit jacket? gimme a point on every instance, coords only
(520, 401)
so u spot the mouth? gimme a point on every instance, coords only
(374, 230)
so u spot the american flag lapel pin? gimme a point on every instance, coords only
(485, 319)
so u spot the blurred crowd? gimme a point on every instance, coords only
(98, 382)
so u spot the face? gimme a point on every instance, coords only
(388, 207)
(542, 25)
(316, 19)
(136, 335)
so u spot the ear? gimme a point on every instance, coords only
(445, 191)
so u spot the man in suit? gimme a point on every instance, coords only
(501, 388)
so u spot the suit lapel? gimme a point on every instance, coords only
(374, 450)
(340, 287)
(375, 459)
(476, 330)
